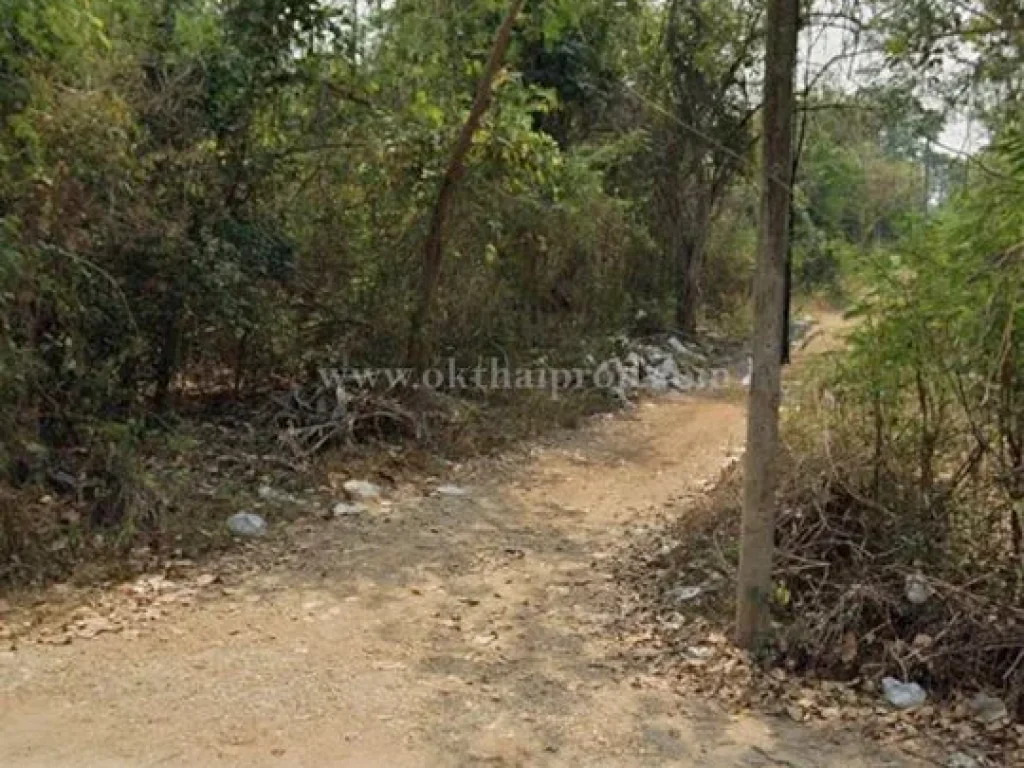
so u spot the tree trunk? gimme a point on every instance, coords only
(692, 222)
(689, 265)
(433, 249)
(170, 350)
(754, 587)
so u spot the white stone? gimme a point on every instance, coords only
(361, 489)
(685, 594)
(247, 524)
(917, 589)
(962, 760)
(903, 695)
(344, 509)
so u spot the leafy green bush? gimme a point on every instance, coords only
(905, 459)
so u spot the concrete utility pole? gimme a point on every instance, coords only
(754, 584)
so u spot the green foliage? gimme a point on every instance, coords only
(861, 179)
(221, 192)
(204, 198)
(935, 373)
(198, 195)
(693, 97)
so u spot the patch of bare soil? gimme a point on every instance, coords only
(437, 630)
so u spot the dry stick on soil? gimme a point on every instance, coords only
(311, 418)
(754, 579)
(433, 249)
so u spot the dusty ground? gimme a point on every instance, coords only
(435, 631)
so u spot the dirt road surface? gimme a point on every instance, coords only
(438, 631)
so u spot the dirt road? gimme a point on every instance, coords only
(440, 631)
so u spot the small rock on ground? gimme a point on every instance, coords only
(903, 695)
(452, 490)
(247, 524)
(345, 509)
(362, 489)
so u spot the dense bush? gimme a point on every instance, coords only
(192, 197)
(905, 462)
(205, 201)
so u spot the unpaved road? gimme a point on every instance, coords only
(436, 632)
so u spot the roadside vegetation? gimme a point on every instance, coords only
(206, 203)
(899, 537)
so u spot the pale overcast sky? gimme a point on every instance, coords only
(821, 46)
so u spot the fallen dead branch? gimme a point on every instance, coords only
(311, 418)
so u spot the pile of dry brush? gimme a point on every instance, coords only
(868, 581)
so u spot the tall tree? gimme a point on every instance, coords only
(433, 249)
(754, 580)
(701, 135)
